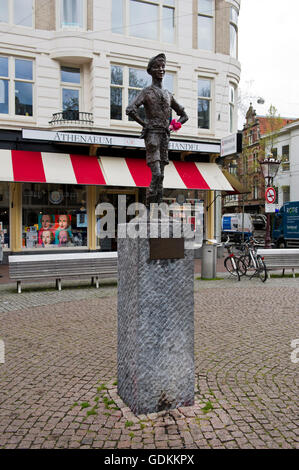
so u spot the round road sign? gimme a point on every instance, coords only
(270, 195)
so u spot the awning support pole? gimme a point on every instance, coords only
(219, 194)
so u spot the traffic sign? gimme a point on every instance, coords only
(270, 195)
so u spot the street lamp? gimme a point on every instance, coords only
(269, 167)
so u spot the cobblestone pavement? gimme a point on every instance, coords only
(58, 383)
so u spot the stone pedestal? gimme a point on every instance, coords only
(155, 328)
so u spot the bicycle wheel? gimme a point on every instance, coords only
(246, 259)
(241, 265)
(262, 270)
(231, 266)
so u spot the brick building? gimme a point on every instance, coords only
(247, 168)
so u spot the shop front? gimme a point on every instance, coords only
(50, 200)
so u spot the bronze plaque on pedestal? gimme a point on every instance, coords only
(166, 248)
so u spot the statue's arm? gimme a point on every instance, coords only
(132, 109)
(180, 110)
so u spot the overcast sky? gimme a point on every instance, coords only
(269, 55)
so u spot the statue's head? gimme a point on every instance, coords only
(157, 63)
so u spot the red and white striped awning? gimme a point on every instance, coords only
(43, 167)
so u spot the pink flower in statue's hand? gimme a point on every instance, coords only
(175, 125)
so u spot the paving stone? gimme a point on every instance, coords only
(60, 346)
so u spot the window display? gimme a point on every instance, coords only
(4, 215)
(54, 216)
(118, 200)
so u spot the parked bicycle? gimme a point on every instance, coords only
(234, 264)
(255, 265)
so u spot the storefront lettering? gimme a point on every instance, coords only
(82, 138)
(92, 139)
(184, 146)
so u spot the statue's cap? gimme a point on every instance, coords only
(154, 59)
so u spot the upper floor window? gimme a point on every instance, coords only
(286, 193)
(144, 19)
(71, 92)
(233, 168)
(233, 31)
(255, 189)
(18, 12)
(255, 162)
(245, 165)
(285, 158)
(205, 24)
(204, 103)
(126, 83)
(231, 108)
(16, 86)
(250, 138)
(72, 14)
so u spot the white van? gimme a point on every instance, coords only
(234, 224)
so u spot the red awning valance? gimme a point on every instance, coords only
(43, 167)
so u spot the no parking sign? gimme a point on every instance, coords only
(270, 195)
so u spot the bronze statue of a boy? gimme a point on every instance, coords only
(157, 103)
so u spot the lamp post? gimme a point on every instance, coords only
(269, 167)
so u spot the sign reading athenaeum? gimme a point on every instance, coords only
(112, 140)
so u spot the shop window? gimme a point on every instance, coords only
(54, 216)
(126, 83)
(205, 24)
(71, 91)
(109, 203)
(17, 12)
(204, 103)
(233, 31)
(16, 86)
(72, 14)
(4, 215)
(128, 16)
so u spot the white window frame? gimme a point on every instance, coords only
(125, 91)
(160, 4)
(11, 16)
(11, 92)
(210, 99)
(233, 25)
(72, 86)
(59, 18)
(205, 15)
(232, 106)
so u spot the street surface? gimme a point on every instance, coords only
(58, 383)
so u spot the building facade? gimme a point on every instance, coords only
(287, 148)
(68, 69)
(261, 134)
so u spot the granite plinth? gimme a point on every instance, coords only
(155, 328)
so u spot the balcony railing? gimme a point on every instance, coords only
(72, 117)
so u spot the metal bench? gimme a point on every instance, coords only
(97, 265)
(280, 258)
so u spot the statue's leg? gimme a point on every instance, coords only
(160, 183)
(153, 188)
(152, 145)
(164, 140)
